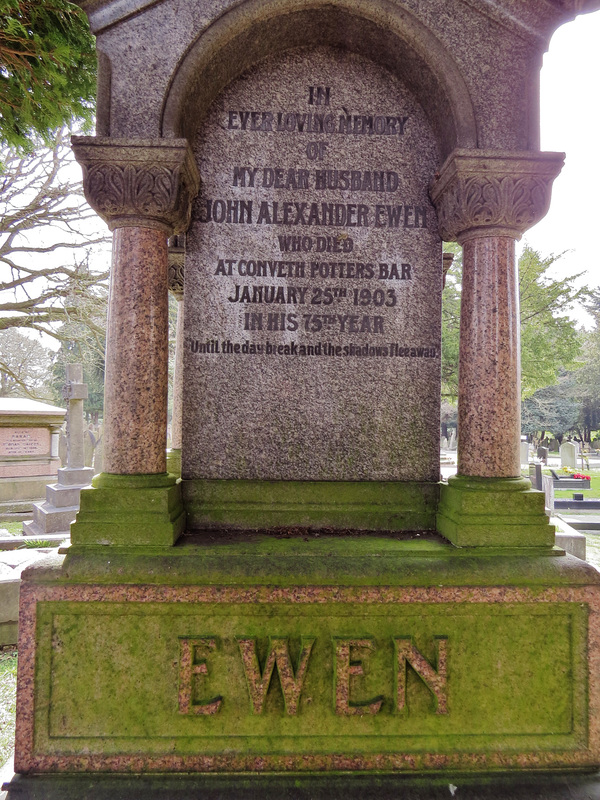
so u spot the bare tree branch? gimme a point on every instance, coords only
(47, 233)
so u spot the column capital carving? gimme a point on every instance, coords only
(493, 193)
(138, 182)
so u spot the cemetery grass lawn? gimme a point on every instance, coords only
(592, 493)
(14, 528)
(8, 691)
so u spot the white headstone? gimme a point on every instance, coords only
(524, 452)
(568, 455)
(548, 487)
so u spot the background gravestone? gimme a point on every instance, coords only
(568, 455)
(313, 279)
(29, 433)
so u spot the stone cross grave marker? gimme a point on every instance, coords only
(59, 510)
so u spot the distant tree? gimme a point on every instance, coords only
(550, 409)
(79, 346)
(550, 342)
(47, 69)
(47, 232)
(587, 379)
(24, 366)
(451, 323)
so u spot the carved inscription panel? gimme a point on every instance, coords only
(24, 442)
(313, 279)
(348, 658)
(310, 677)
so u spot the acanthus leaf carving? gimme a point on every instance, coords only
(484, 193)
(147, 183)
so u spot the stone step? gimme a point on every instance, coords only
(52, 520)
(16, 542)
(63, 496)
(33, 531)
(583, 523)
(81, 476)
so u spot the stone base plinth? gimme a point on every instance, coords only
(129, 510)
(21, 489)
(493, 512)
(309, 654)
(339, 505)
(546, 786)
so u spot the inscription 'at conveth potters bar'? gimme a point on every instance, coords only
(349, 660)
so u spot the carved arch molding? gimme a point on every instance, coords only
(254, 30)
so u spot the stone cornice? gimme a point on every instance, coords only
(139, 182)
(493, 193)
(521, 18)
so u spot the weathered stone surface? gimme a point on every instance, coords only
(312, 314)
(395, 652)
(390, 656)
(476, 67)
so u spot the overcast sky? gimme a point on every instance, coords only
(570, 122)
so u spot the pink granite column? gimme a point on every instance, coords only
(135, 413)
(489, 403)
(143, 190)
(486, 200)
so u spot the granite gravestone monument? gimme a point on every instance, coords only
(315, 155)
(313, 287)
(29, 432)
(313, 279)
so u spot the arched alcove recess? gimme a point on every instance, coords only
(387, 34)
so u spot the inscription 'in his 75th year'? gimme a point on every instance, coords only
(349, 656)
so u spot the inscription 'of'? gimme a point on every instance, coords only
(350, 657)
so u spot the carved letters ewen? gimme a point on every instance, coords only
(350, 661)
(278, 656)
(434, 679)
(192, 663)
(347, 663)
